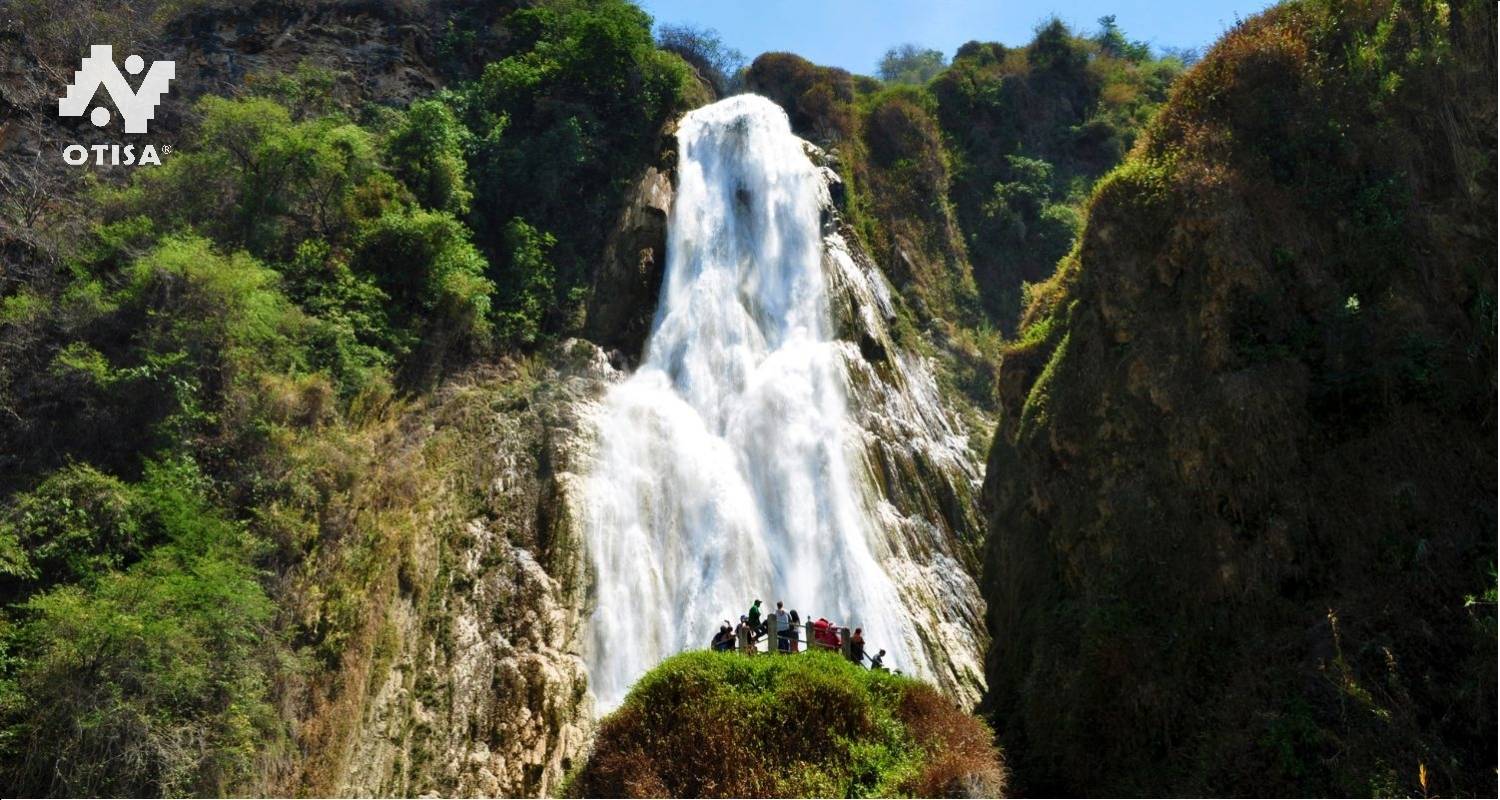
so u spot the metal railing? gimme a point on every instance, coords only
(748, 642)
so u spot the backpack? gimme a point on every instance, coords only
(824, 633)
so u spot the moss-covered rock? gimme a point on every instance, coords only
(1242, 502)
(811, 725)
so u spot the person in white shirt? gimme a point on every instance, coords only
(783, 629)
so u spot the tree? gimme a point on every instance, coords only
(560, 127)
(527, 282)
(706, 52)
(910, 63)
(149, 680)
(1112, 42)
(1055, 51)
(424, 262)
(258, 180)
(426, 152)
(77, 525)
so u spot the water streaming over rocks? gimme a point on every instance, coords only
(750, 455)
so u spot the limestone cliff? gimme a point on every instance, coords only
(473, 685)
(919, 464)
(443, 606)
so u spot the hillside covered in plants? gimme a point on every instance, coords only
(259, 400)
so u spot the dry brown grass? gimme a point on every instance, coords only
(963, 760)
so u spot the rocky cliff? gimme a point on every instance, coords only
(461, 675)
(1241, 505)
(919, 464)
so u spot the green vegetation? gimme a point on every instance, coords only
(558, 129)
(812, 725)
(999, 151)
(911, 64)
(1030, 130)
(426, 152)
(143, 669)
(204, 364)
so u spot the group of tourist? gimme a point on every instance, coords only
(786, 626)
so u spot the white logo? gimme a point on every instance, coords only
(136, 107)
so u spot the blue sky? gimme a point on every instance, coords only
(854, 33)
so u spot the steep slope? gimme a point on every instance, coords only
(462, 675)
(1242, 502)
(323, 551)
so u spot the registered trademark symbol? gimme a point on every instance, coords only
(166, 149)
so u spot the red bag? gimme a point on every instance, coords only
(824, 633)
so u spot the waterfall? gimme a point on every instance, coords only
(727, 467)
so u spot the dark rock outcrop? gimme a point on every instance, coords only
(1242, 503)
(625, 288)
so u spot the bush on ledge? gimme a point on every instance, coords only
(707, 724)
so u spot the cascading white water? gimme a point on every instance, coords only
(725, 468)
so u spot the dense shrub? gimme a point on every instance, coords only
(530, 282)
(813, 725)
(1022, 225)
(898, 129)
(149, 680)
(559, 128)
(77, 525)
(224, 314)
(817, 99)
(434, 277)
(258, 180)
(371, 247)
(426, 151)
(910, 64)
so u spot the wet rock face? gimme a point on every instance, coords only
(922, 473)
(476, 687)
(625, 289)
